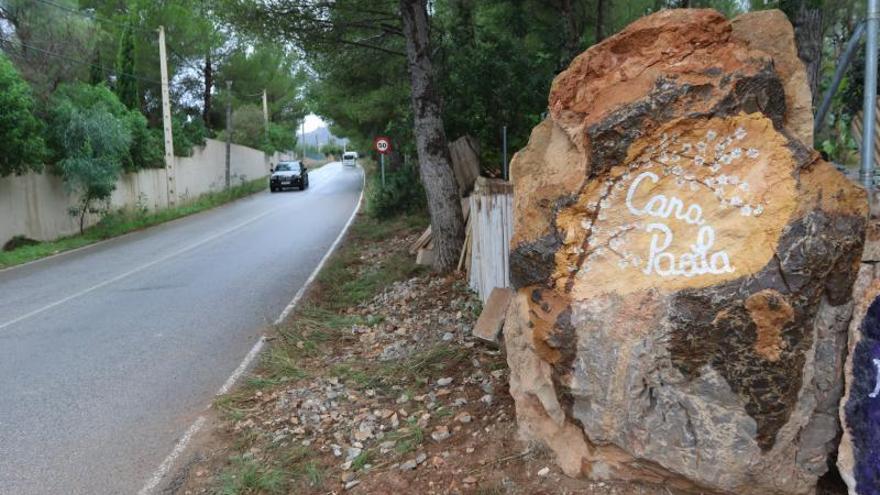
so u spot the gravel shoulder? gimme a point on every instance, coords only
(374, 385)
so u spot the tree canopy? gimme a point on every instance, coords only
(20, 132)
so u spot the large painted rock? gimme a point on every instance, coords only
(683, 266)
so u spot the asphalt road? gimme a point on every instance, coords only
(108, 354)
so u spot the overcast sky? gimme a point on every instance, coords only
(313, 122)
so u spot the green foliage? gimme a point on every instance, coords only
(126, 84)
(248, 127)
(402, 193)
(521, 68)
(282, 137)
(93, 140)
(246, 475)
(21, 142)
(191, 33)
(47, 43)
(145, 145)
(332, 149)
(264, 67)
(189, 132)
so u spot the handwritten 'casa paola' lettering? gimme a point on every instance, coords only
(700, 260)
(696, 262)
(662, 207)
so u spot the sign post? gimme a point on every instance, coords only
(382, 144)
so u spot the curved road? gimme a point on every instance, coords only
(108, 354)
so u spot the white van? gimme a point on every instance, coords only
(350, 158)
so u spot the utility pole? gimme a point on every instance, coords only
(302, 137)
(170, 186)
(266, 114)
(228, 129)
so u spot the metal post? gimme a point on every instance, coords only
(302, 137)
(504, 174)
(382, 161)
(839, 72)
(228, 131)
(866, 174)
(170, 188)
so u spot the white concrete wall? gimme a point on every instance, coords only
(36, 205)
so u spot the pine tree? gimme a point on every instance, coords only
(96, 71)
(126, 84)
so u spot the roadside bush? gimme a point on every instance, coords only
(189, 132)
(402, 193)
(281, 138)
(21, 139)
(91, 133)
(331, 149)
(145, 144)
(248, 127)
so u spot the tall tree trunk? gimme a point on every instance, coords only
(463, 26)
(807, 22)
(209, 83)
(435, 166)
(571, 28)
(601, 19)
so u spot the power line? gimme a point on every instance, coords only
(93, 16)
(78, 61)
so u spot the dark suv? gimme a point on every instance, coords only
(289, 174)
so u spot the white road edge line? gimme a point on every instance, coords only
(169, 461)
(184, 441)
(255, 350)
(299, 294)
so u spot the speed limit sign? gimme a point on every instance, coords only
(382, 144)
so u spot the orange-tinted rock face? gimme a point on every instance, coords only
(679, 257)
(770, 32)
(683, 61)
(703, 204)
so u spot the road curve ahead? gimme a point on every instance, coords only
(108, 354)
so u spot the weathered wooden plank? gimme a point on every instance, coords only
(491, 207)
(465, 155)
(421, 242)
(489, 324)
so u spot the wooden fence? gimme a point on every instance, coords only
(491, 226)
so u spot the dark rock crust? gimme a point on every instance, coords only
(712, 325)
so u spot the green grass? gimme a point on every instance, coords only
(307, 338)
(124, 221)
(245, 476)
(360, 461)
(408, 437)
(314, 474)
(343, 287)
